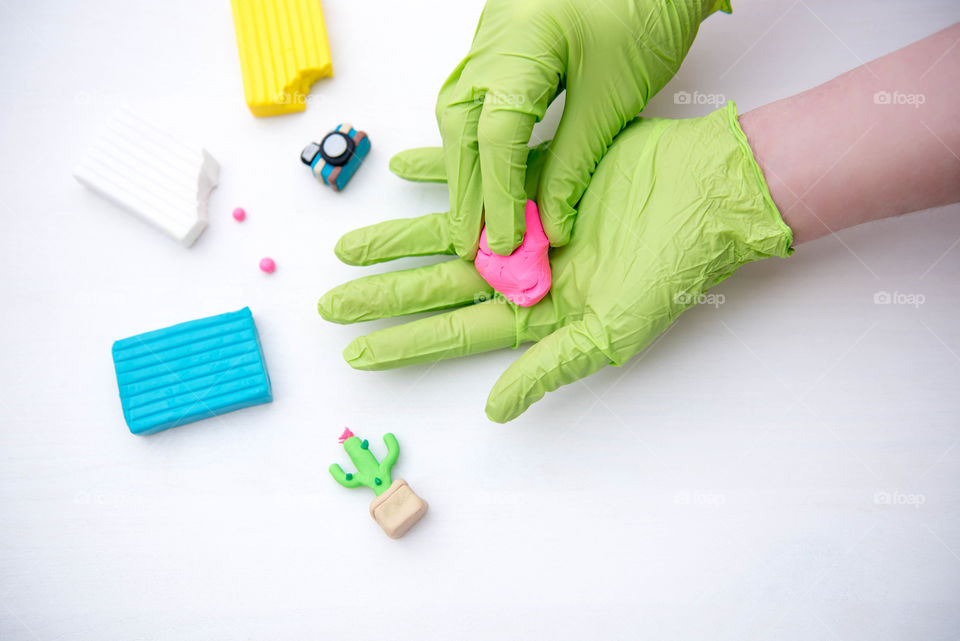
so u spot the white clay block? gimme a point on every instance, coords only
(149, 173)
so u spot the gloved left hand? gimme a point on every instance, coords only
(675, 207)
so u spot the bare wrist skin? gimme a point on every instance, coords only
(878, 141)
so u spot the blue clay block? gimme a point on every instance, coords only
(191, 371)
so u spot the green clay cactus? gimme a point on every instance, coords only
(370, 472)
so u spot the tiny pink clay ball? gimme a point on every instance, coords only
(267, 265)
(239, 215)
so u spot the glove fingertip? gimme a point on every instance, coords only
(466, 251)
(503, 245)
(398, 164)
(357, 354)
(498, 414)
(325, 306)
(557, 217)
(336, 306)
(502, 404)
(421, 164)
(344, 251)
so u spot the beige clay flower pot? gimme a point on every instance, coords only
(397, 509)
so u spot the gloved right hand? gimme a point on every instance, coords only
(611, 56)
(675, 207)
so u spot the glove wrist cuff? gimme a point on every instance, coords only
(709, 7)
(782, 245)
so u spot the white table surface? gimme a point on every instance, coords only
(785, 466)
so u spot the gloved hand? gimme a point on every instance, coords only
(611, 56)
(675, 207)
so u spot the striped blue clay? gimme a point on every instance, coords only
(191, 371)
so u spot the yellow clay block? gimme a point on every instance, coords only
(283, 50)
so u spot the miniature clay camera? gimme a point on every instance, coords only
(337, 157)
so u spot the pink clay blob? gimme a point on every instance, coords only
(523, 276)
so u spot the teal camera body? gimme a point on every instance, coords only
(335, 159)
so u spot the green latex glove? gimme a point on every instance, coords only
(675, 207)
(611, 56)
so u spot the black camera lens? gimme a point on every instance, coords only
(337, 148)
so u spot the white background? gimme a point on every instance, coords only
(782, 467)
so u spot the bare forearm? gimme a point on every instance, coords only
(878, 141)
